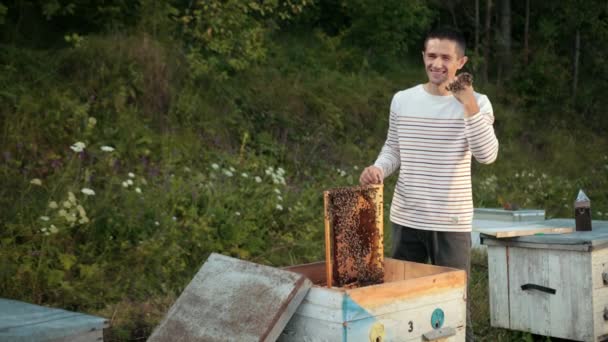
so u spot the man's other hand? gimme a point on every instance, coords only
(371, 175)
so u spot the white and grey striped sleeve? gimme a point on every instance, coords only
(389, 158)
(480, 133)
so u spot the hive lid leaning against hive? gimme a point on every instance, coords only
(231, 299)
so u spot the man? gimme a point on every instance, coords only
(431, 137)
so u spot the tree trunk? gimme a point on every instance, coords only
(451, 6)
(577, 53)
(476, 28)
(527, 33)
(487, 43)
(505, 30)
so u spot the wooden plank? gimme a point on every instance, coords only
(21, 321)
(393, 270)
(401, 270)
(314, 271)
(598, 237)
(376, 295)
(498, 274)
(561, 314)
(235, 299)
(535, 245)
(513, 231)
(328, 246)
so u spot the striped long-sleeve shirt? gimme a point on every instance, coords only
(431, 142)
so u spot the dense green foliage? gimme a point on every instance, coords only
(140, 136)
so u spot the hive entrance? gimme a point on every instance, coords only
(354, 236)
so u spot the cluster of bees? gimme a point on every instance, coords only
(356, 237)
(462, 80)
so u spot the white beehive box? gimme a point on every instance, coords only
(417, 302)
(554, 285)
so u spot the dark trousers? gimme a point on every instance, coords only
(450, 249)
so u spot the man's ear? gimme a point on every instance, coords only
(463, 61)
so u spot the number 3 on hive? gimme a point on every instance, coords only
(411, 326)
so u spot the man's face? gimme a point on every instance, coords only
(441, 60)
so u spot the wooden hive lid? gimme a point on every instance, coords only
(232, 299)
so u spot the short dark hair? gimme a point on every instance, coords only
(449, 34)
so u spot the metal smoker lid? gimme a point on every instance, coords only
(582, 201)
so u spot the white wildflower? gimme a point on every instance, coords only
(244, 175)
(44, 218)
(71, 197)
(174, 218)
(129, 182)
(131, 175)
(79, 146)
(92, 122)
(215, 166)
(83, 220)
(88, 192)
(53, 205)
(279, 207)
(280, 171)
(232, 169)
(107, 148)
(156, 223)
(36, 181)
(355, 167)
(280, 198)
(277, 191)
(138, 190)
(187, 169)
(228, 173)
(258, 179)
(125, 184)
(53, 229)
(67, 204)
(238, 213)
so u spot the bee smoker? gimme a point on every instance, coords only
(582, 212)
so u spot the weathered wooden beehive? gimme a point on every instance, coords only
(415, 302)
(553, 285)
